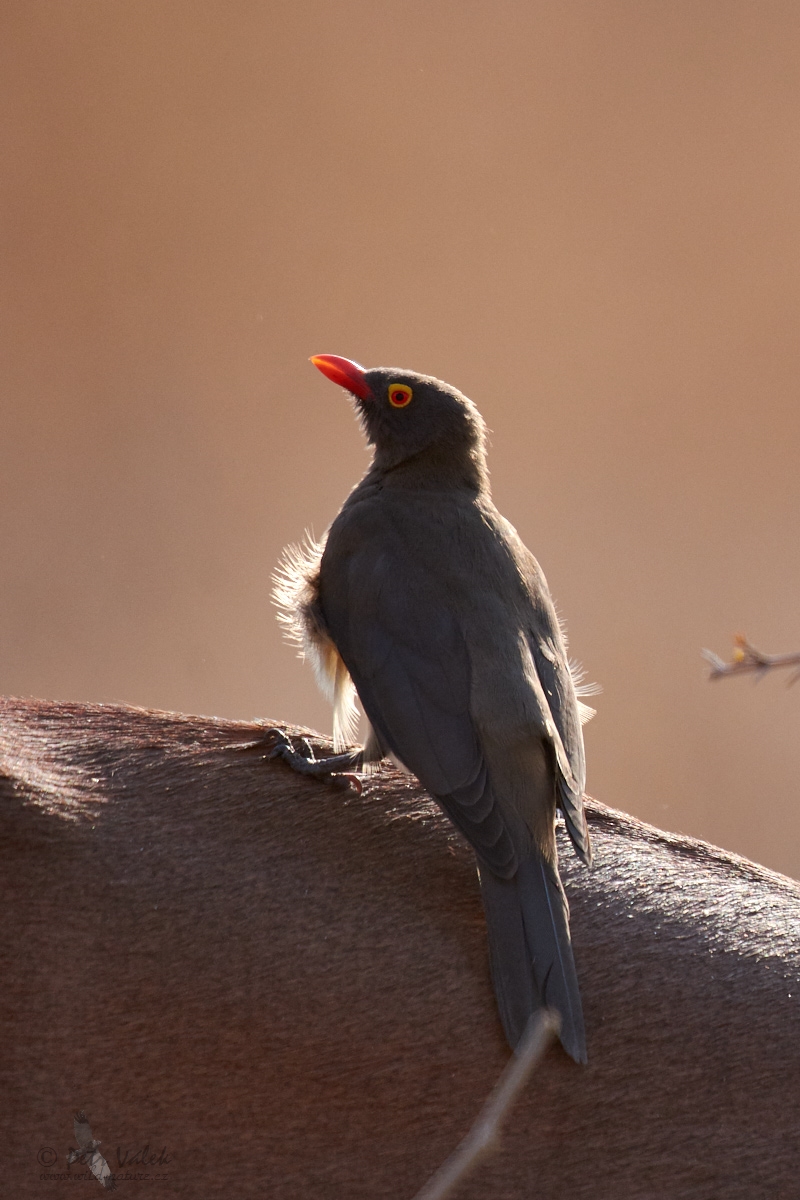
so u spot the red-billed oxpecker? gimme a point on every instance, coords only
(423, 600)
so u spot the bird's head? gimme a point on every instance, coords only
(414, 419)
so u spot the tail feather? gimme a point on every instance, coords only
(531, 951)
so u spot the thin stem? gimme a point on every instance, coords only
(542, 1028)
(748, 660)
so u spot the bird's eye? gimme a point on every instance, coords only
(400, 395)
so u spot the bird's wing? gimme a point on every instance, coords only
(83, 1133)
(560, 710)
(101, 1171)
(392, 624)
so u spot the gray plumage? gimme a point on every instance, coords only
(424, 599)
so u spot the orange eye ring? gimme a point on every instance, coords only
(400, 395)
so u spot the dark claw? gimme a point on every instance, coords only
(280, 744)
(327, 769)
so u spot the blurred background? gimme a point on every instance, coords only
(582, 214)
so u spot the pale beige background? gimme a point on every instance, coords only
(584, 214)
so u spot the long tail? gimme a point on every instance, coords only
(531, 951)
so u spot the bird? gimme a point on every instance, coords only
(422, 601)
(88, 1153)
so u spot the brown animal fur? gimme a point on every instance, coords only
(287, 988)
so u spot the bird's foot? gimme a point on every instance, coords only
(333, 770)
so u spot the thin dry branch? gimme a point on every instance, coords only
(748, 660)
(542, 1028)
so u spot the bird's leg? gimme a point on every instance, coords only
(333, 769)
(304, 761)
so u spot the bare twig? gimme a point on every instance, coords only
(746, 659)
(542, 1028)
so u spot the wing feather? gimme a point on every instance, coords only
(562, 717)
(394, 625)
(408, 659)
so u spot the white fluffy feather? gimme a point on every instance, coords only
(296, 581)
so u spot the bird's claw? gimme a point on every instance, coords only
(330, 770)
